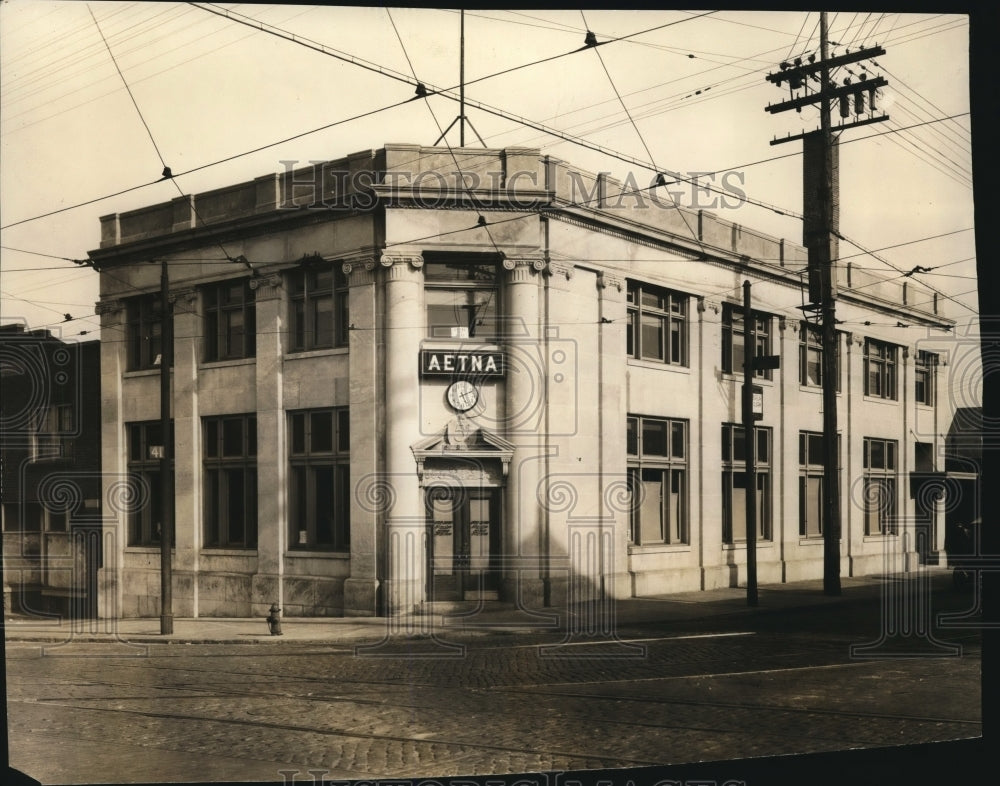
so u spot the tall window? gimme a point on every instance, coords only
(461, 298)
(318, 297)
(880, 369)
(145, 331)
(657, 328)
(923, 374)
(811, 357)
(812, 461)
(657, 465)
(320, 479)
(145, 446)
(734, 340)
(51, 438)
(230, 445)
(734, 482)
(880, 486)
(230, 321)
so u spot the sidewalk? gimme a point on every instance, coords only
(491, 619)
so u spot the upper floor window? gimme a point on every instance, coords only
(145, 331)
(657, 467)
(880, 369)
(52, 436)
(318, 304)
(319, 487)
(230, 321)
(811, 357)
(734, 339)
(461, 299)
(923, 377)
(734, 482)
(657, 324)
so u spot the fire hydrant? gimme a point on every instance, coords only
(274, 620)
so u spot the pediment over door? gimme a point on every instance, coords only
(463, 442)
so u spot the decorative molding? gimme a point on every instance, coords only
(108, 307)
(850, 338)
(700, 306)
(560, 268)
(187, 294)
(714, 305)
(781, 324)
(606, 280)
(906, 354)
(266, 287)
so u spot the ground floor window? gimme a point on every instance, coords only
(811, 469)
(319, 499)
(734, 483)
(880, 486)
(145, 447)
(230, 467)
(657, 465)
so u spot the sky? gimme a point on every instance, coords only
(207, 90)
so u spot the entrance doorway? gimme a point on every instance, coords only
(464, 529)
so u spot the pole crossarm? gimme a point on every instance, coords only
(808, 69)
(866, 85)
(833, 129)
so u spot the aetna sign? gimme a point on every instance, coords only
(451, 363)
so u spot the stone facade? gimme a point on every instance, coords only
(530, 494)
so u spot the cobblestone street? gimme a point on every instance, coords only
(726, 688)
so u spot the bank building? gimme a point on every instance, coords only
(416, 374)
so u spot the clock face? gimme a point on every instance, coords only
(462, 395)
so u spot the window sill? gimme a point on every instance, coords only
(305, 354)
(443, 342)
(223, 551)
(143, 372)
(738, 377)
(813, 389)
(147, 549)
(317, 553)
(879, 538)
(658, 365)
(876, 400)
(924, 405)
(812, 540)
(208, 364)
(742, 545)
(658, 548)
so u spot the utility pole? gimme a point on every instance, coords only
(750, 443)
(166, 486)
(820, 231)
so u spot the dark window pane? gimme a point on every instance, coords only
(212, 438)
(344, 430)
(299, 433)
(323, 501)
(652, 299)
(678, 443)
(739, 444)
(763, 446)
(252, 435)
(322, 432)
(654, 438)
(631, 437)
(236, 505)
(877, 454)
(652, 337)
(232, 437)
(726, 443)
(323, 325)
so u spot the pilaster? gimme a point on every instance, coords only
(403, 509)
(272, 508)
(361, 587)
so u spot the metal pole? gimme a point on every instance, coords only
(166, 487)
(461, 82)
(750, 444)
(831, 484)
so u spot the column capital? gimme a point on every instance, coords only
(360, 270)
(109, 308)
(610, 280)
(415, 261)
(522, 269)
(781, 324)
(849, 337)
(266, 287)
(186, 294)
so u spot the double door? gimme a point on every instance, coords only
(464, 537)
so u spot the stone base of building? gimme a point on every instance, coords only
(661, 582)
(361, 597)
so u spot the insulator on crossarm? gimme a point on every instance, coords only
(859, 103)
(844, 108)
(871, 100)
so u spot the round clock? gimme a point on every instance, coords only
(462, 395)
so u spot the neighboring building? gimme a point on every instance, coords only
(963, 464)
(50, 472)
(388, 390)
